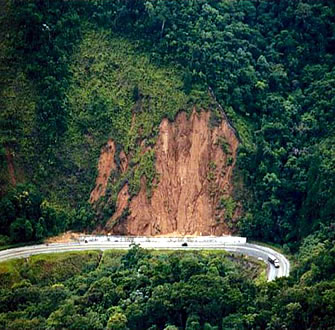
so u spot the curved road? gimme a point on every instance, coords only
(252, 250)
(258, 251)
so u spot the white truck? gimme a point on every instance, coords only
(274, 261)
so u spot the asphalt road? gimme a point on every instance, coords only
(257, 251)
(252, 250)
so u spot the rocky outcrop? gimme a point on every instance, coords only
(194, 165)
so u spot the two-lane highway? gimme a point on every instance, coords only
(252, 250)
(258, 251)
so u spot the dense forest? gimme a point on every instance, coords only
(71, 73)
(269, 64)
(142, 289)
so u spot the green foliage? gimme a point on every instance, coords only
(25, 216)
(4, 240)
(145, 168)
(46, 269)
(21, 230)
(117, 320)
(230, 160)
(107, 71)
(229, 205)
(135, 289)
(221, 141)
(141, 289)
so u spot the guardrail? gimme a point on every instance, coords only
(163, 240)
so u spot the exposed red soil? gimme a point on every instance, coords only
(194, 173)
(105, 166)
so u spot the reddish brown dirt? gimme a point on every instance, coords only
(105, 166)
(121, 203)
(193, 175)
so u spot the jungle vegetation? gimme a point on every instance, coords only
(143, 289)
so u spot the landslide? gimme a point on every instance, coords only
(192, 189)
(137, 156)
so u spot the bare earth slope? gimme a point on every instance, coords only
(194, 165)
(105, 167)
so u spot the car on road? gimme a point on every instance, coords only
(274, 261)
(184, 244)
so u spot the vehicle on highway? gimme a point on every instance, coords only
(184, 244)
(274, 261)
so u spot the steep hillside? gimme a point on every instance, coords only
(191, 192)
(77, 74)
(146, 172)
(122, 106)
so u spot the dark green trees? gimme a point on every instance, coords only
(270, 65)
(25, 216)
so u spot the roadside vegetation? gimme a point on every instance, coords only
(143, 289)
